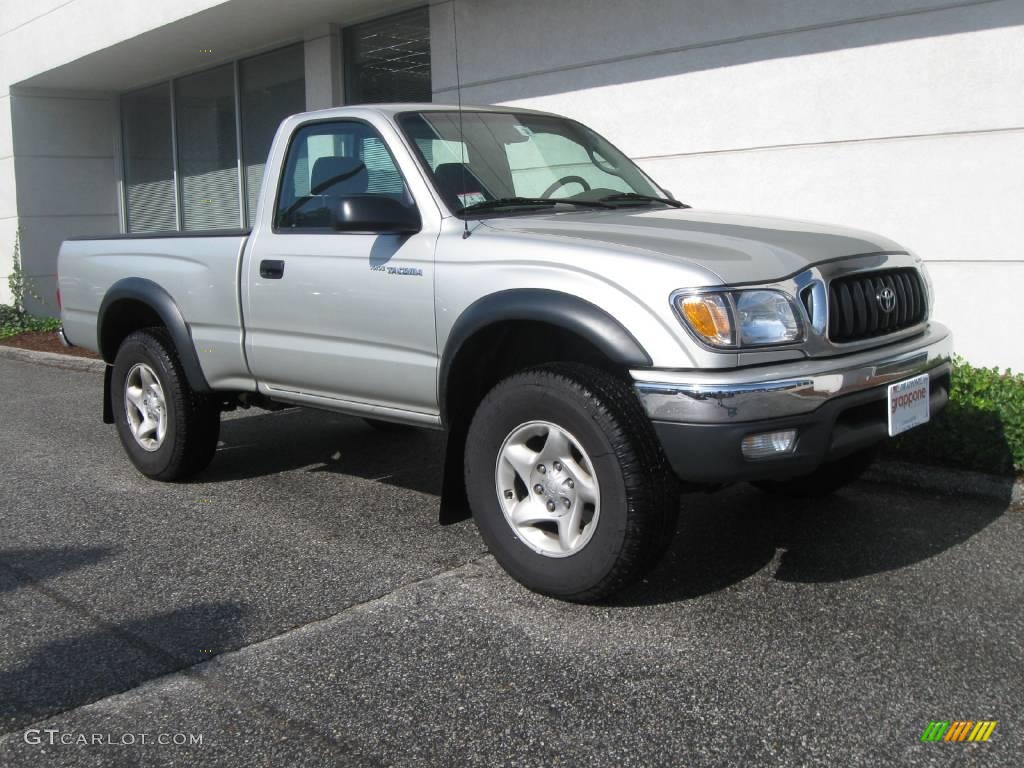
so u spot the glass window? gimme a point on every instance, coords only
(388, 60)
(538, 164)
(271, 87)
(148, 160)
(204, 106)
(500, 155)
(328, 163)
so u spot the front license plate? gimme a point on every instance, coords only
(908, 404)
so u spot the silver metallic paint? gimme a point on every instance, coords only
(336, 334)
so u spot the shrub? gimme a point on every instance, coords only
(982, 428)
(15, 319)
(24, 323)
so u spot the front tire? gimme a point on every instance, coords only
(567, 482)
(168, 431)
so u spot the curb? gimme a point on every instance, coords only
(52, 359)
(920, 476)
(948, 481)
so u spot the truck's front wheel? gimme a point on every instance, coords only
(168, 431)
(567, 483)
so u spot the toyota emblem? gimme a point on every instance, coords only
(887, 299)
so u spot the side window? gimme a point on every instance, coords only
(329, 163)
(539, 163)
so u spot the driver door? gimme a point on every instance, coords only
(334, 317)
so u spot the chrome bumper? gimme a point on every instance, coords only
(63, 338)
(785, 389)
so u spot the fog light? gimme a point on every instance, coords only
(769, 444)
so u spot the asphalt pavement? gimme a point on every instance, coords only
(299, 605)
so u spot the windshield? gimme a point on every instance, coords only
(531, 161)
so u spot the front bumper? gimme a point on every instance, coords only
(837, 406)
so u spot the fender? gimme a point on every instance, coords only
(156, 298)
(540, 305)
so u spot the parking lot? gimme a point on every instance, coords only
(300, 605)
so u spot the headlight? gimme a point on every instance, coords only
(737, 319)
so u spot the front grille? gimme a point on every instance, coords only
(857, 304)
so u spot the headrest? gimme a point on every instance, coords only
(339, 176)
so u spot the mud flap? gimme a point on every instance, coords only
(454, 502)
(108, 408)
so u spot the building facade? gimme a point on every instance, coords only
(901, 116)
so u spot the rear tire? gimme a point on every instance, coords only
(168, 431)
(597, 515)
(825, 480)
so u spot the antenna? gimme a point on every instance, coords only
(458, 92)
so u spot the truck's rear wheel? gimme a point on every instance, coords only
(168, 431)
(567, 482)
(825, 480)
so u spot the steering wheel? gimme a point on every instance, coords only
(562, 182)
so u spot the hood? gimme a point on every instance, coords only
(735, 247)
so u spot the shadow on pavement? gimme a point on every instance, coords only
(269, 443)
(865, 529)
(722, 537)
(73, 671)
(33, 565)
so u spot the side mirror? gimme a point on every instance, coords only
(375, 213)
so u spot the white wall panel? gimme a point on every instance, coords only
(949, 198)
(895, 89)
(905, 118)
(6, 140)
(7, 229)
(56, 126)
(65, 186)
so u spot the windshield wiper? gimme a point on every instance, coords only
(628, 197)
(528, 202)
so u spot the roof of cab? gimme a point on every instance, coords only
(391, 110)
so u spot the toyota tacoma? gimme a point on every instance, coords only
(590, 345)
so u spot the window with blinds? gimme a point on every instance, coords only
(148, 160)
(204, 119)
(209, 132)
(271, 87)
(388, 59)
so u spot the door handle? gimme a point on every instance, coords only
(272, 269)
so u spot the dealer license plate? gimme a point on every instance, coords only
(908, 404)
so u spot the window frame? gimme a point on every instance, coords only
(274, 228)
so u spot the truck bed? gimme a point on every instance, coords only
(200, 271)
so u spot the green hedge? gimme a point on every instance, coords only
(982, 428)
(12, 322)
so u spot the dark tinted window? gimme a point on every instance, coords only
(388, 59)
(204, 106)
(271, 87)
(148, 160)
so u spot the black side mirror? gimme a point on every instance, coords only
(375, 213)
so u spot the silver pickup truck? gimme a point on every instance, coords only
(590, 344)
